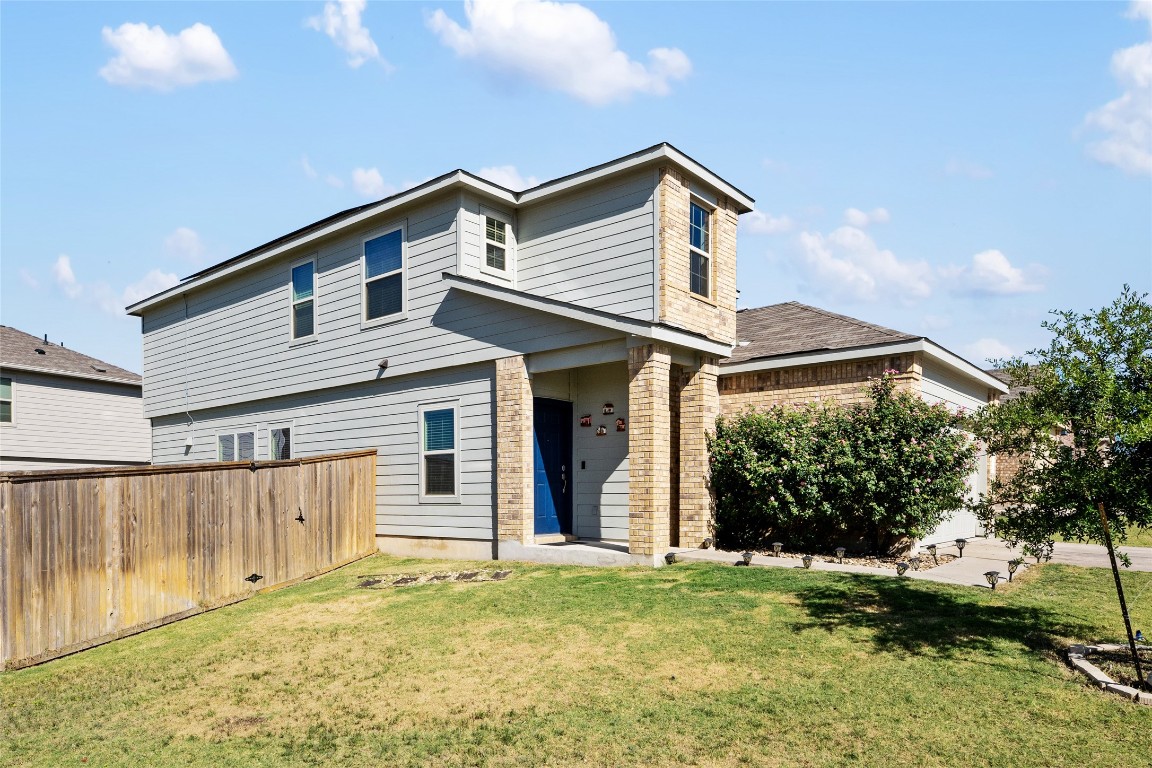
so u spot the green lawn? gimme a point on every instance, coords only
(692, 664)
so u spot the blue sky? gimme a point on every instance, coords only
(951, 169)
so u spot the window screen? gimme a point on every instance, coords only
(438, 451)
(303, 304)
(5, 401)
(281, 447)
(384, 275)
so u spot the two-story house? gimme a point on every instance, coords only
(530, 366)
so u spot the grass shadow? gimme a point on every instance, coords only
(928, 619)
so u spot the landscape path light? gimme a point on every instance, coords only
(914, 561)
(707, 543)
(1013, 564)
(932, 551)
(960, 546)
(992, 577)
(901, 568)
(670, 558)
(776, 547)
(747, 558)
(840, 553)
(807, 561)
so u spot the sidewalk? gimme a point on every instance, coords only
(980, 555)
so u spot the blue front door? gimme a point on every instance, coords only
(552, 466)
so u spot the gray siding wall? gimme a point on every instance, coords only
(594, 248)
(942, 385)
(234, 345)
(602, 480)
(56, 418)
(472, 243)
(380, 415)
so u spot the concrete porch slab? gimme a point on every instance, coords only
(589, 553)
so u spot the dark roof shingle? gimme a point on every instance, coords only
(793, 328)
(18, 350)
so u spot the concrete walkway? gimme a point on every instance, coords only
(980, 556)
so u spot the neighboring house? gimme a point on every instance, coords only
(791, 354)
(61, 409)
(530, 366)
(1009, 464)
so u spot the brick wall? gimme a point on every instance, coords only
(714, 317)
(513, 451)
(841, 383)
(699, 407)
(649, 448)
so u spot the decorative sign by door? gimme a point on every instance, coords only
(608, 409)
(586, 420)
(620, 425)
(601, 431)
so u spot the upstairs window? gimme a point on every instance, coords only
(699, 250)
(236, 446)
(438, 465)
(384, 275)
(303, 303)
(5, 401)
(496, 243)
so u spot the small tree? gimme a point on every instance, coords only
(1082, 427)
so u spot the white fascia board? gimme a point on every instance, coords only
(70, 374)
(928, 347)
(938, 353)
(663, 152)
(619, 323)
(457, 179)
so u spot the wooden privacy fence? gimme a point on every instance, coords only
(90, 555)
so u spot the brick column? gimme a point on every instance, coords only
(649, 448)
(699, 408)
(513, 451)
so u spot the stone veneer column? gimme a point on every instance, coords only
(513, 451)
(699, 409)
(649, 448)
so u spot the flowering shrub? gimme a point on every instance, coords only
(867, 476)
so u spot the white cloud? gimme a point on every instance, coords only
(184, 243)
(854, 217)
(987, 349)
(341, 22)
(956, 167)
(333, 180)
(508, 177)
(309, 171)
(102, 294)
(152, 283)
(563, 46)
(369, 183)
(761, 223)
(65, 277)
(29, 279)
(990, 273)
(936, 322)
(148, 57)
(1126, 121)
(847, 264)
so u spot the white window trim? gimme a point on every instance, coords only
(402, 227)
(292, 339)
(704, 204)
(509, 271)
(290, 425)
(12, 400)
(421, 453)
(236, 441)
